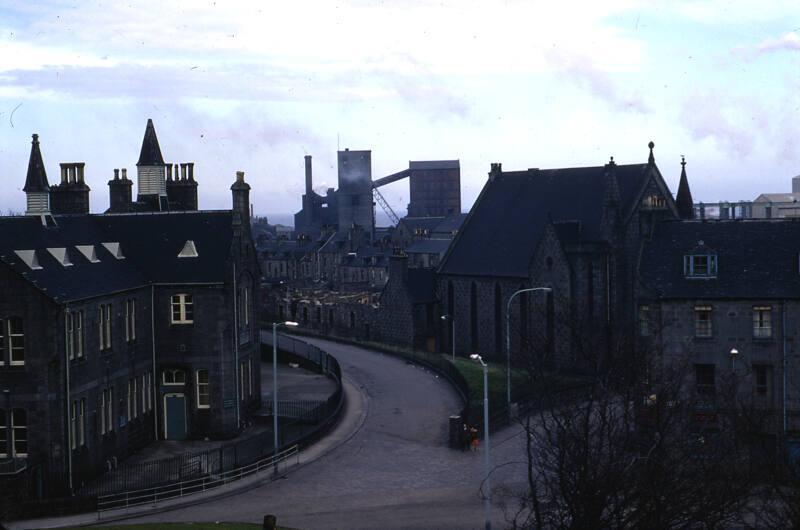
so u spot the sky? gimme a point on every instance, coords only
(255, 86)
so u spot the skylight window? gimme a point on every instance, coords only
(30, 259)
(89, 252)
(115, 249)
(188, 250)
(61, 256)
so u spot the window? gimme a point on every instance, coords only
(143, 387)
(203, 394)
(762, 378)
(244, 315)
(12, 341)
(762, 322)
(77, 345)
(133, 396)
(104, 325)
(705, 380)
(107, 410)
(149, 391)
(700, 266)
(3, 434)
(70, 337)
(130, 320)
(73, 425)
(655, 201)
(82, 422)
(249, 377)
(702, 321)
(644, 320)
(182, 309)
(19, 433)
(242, 366)
(174, 377)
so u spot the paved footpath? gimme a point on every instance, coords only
(386, 465)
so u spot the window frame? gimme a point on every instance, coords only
(762, 327)
(692, 271)
(77, 317)
(10, 337)
(181, 301)
(202, 389)
(14, 435)
(699, 322)
(644, 320)
(172, 371)
(4, 435)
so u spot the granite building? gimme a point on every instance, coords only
(122, 328)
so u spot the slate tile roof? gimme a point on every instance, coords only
(757, 259)
(429, 246)
(503, 229)
(150, 154)
(150, 244)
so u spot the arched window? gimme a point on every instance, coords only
(498, 319)
(473, 316)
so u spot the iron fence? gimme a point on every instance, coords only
(206, 482)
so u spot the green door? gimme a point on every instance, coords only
(175, 414)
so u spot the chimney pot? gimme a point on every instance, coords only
(190, 165)
(240, 176)
(124, 173)
(116, 174)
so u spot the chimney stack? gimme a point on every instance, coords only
(309, 180)
(241, 198)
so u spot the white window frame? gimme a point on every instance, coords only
(249, 377)
(73, 425)
(11, 336)
(3, 341)
(181, 301)
(762, 322)
(707, 310)
(4, 419)
(14, 429)
(77, 318)
(206, 386)
(70, 336)
(103, 399)
(110, 410)
(134, 397)
(173, 382)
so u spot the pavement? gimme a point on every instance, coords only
(386, 465)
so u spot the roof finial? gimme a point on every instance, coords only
(611, 162)
(683, 162)
(651, 159)
(35, 138)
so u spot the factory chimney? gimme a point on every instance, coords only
(309, 181)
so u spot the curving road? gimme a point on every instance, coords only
(395, 472)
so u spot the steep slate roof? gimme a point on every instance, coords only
(429, 246)
(756, 259)
(150, 244)
(150, 154)
(450, 224)
(36, 180)
(683, 200)
(503, 229)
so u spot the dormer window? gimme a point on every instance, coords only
(700, 266)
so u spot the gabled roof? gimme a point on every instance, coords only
(150, 154)
(450, 225)
(505, 224)
(755, 259)
(131, 250)
(36, 179)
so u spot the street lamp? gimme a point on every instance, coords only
(734, 353)
(508, 338)
(275, 382)
(453, 332)
(487, 498)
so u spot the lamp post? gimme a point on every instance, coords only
(734, 353)
(452, 332)
(275, 383)
(508, 338)
(487, 498)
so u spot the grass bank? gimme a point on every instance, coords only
(183, 526)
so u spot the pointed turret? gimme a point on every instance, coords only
(683, 201)
(150, 154)
(651, 160)
(36, 187)
(150, 170)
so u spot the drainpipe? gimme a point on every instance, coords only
(783, 336)
(66, 399)
(236, 349)
(153, 379)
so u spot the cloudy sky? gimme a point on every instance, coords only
(254, 86)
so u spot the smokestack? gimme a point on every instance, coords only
(309, 182)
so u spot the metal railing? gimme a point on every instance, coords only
(175, 490)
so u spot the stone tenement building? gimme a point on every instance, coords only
(126, 327)
(578, 231)
(712, 287)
